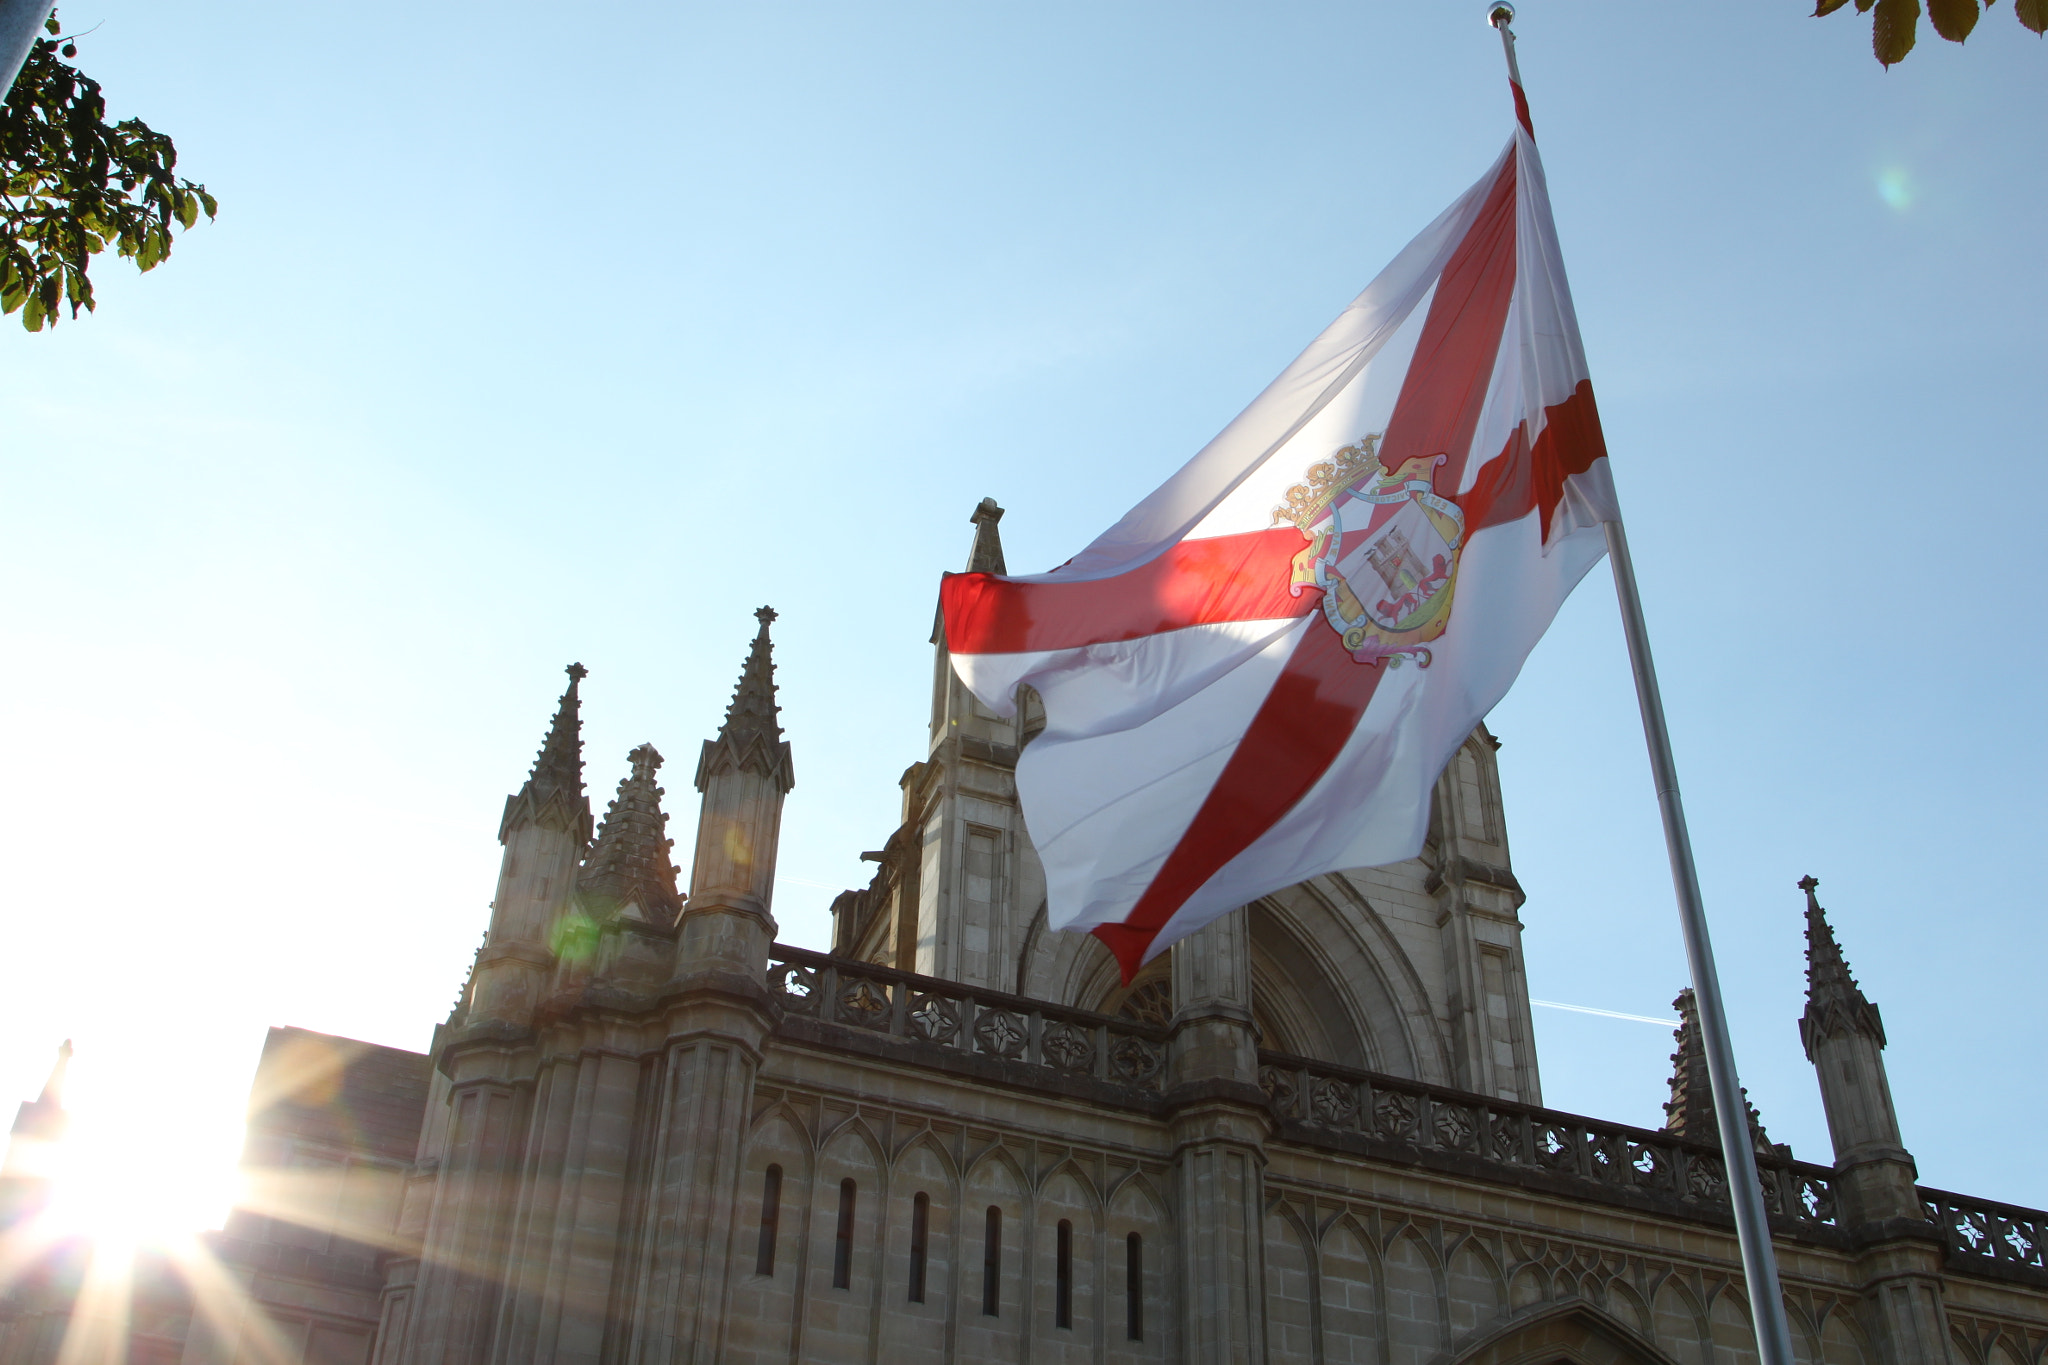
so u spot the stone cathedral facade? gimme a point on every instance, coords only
(1311, 1134)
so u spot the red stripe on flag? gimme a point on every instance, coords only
(1520, 480)
(1222, 578)
(1445, 387)
(1522, 108)
(1305, 721)
(1312, 709)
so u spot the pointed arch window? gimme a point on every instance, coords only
(771, 1217)
(1134, 1287)
(1063, 1276)
(920, 1242)
(992, 1264)
(842, 1240)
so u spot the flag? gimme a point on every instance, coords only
(1257, 675)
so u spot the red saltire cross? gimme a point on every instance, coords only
(1322, 691)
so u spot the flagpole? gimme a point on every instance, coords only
(1731, 1110)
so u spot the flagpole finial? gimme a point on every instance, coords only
(1500, 14)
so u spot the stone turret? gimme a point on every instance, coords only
(1900, 1253)
(545, 829)
(1844, 1039)
(744, 774)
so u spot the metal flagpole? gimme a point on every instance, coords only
(1731, 1111)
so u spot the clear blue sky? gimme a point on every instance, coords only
(531, 334)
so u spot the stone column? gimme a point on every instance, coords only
(1219, 1127)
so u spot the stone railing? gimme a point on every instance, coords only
(1981, 1232)
(946, 1014)
(1519, 1139)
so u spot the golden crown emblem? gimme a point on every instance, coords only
(1328, 478)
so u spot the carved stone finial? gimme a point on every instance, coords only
(1834, 1002)
(628, 865)
(751, 738)
(577, 672)
(987, 554)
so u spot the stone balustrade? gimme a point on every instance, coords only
(1320, 1103)
(1982, 1234)
(1068, 1042)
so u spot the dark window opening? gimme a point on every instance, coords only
(1063, 1277)
(920, 1235)
(992, 1264)
(1134, 1287)
(842, 1242)
(771, 1216)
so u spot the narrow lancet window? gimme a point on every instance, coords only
(1134, 1287)
(920, 1239)
(842, 1242)
(992, 1264)
(771, 1216)
(1063, 1277)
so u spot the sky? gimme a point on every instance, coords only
(528, 336)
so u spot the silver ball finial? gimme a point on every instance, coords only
(1500, 13)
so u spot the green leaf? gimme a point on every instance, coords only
(2032, 13)
(1863, 6)
(1895, 29)
(1828, 7)
(1953, 19)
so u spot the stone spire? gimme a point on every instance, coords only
(751, 740)
(553, 794)
(1835, 1004)
(39, 1126)
(1690, 1110)
(987, 554)
(43, 1119)
(628, 868)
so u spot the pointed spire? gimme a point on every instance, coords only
(987, 554)
(1690, 1110)
(751, 738)
(44, 1118)
(628, 867)
(1834, 1002)
(553, 793)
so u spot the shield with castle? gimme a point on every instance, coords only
(1382, 546)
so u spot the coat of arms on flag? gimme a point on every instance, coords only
(1395, 532)
(1258, 673)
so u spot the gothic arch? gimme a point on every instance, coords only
(925, 1137)
(1573, 1331)
(997, 1155)
(1071, 1168)
(1329, 935)
(789, 1117)
(856, 1129)
(1135, 1184)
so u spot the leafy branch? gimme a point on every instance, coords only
(74, 185)
(1896, 26)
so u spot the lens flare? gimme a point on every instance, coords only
(1895, 188)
